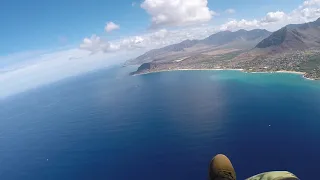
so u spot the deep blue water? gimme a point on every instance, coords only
(163, 126)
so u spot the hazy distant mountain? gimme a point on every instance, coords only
(241, 39)
(225, 37)
(293, 37)
(157, 53)
(180, 46)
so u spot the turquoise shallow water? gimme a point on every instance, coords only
(107, 125)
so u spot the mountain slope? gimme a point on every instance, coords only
(293, 37)
(241, 39)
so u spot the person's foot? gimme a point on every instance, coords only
(221, 169)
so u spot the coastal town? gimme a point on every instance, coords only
(303, 62)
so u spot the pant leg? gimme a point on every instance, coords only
(276, 175)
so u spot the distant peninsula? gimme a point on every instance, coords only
(293, 48)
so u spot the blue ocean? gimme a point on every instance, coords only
(107, 125)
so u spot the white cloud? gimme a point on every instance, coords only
(96, 44)
(160, 34)
(213, 13)
(91, 44)
(308, 11)
(274, 17)
(131, 43)
(242, 24)
(111, 26)
(270, 19)
(177, 12)
(147, 41)
(230, 11)
(311, 3)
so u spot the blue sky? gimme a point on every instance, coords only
(37, 24)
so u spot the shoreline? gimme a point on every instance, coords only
(242, 70)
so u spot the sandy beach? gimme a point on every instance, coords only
(242, 70)
(290, 72)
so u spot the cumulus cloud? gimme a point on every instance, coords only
(145, 42)
(269, 19)
(309, 10)
(182, 12)
(111, 26)
(306, 12)
(91, 44)
(311, 3)
(131, 43)
(95, 44)
(274, 17)
(242, 24)
(230, 11)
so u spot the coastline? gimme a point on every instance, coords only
(290, 72)
(227, 69)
